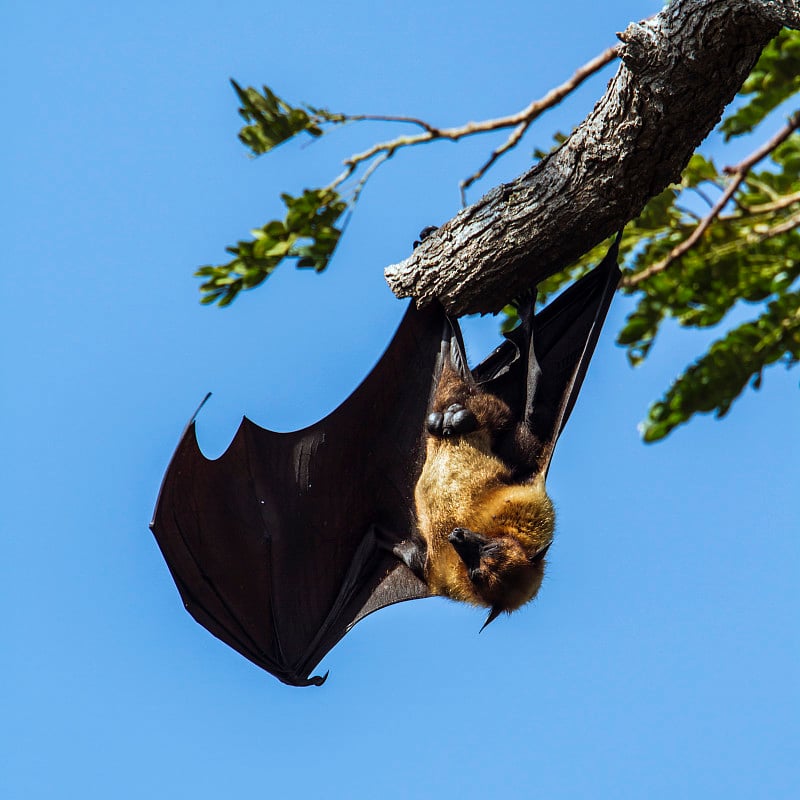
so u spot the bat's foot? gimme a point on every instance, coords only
(424, 234)
(456, 420)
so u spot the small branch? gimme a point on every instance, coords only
(365, 177)
(536, 108)
(703, 196)
(509, 143)
(765, 188)
(689, 242)
(768, 208)
(340, 179)
(784, 227)
(521, 120)
(738, 173)
(762, 152)
(393, 118)
(789, 224)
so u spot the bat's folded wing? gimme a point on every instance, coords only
(538, 371)
(280, 545)
(565, 334)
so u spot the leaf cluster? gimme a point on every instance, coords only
(716, 379)
(748, 254)
(308, 234)
(274, 121)
(774, 79)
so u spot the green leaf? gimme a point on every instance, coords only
(699, 169)
(774, 79)
(716, 379)
(274, 121)
(309, 234)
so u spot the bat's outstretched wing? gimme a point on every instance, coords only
(283, 543)
(540, 367)
(280, 545)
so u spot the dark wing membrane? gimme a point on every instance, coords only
(283, 543)
(565, 334)
(538, 370)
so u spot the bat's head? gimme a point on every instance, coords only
(505, 562)
(504, 571)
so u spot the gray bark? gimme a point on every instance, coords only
(678, 72)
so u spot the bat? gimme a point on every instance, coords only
(428, 480)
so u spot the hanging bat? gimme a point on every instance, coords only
(428, 480)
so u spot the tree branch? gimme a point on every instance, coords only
(739, 173)
(769, 208)
(526, 117)
(784, 227)
(679, 70)
(520, 121)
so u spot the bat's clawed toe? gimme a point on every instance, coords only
(424, 234)
(455, 421)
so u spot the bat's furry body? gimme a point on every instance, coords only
(279, 546)
(485, 533)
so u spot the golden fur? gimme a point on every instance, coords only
(464, 484)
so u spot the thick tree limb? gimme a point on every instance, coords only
(679, 70)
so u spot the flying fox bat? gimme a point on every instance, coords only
(427, 480)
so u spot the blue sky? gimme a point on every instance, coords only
(661, 657)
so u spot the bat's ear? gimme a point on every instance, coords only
(493, 615)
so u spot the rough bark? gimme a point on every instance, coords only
(679, 70)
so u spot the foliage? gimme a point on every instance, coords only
(719, 240)
(773, 80)
(275, 121)
(749, 256)
(714, 381)
(307, 233)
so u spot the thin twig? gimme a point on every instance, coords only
(536, 108)
(393, 118)
(783, 227)
(340, 179)
(765, 188)
(768, 208)
(509, 143)
(703, 196)
(365, 177)
(738, 173)
(520, 121)
(762, 152)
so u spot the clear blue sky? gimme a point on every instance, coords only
(661, 657)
